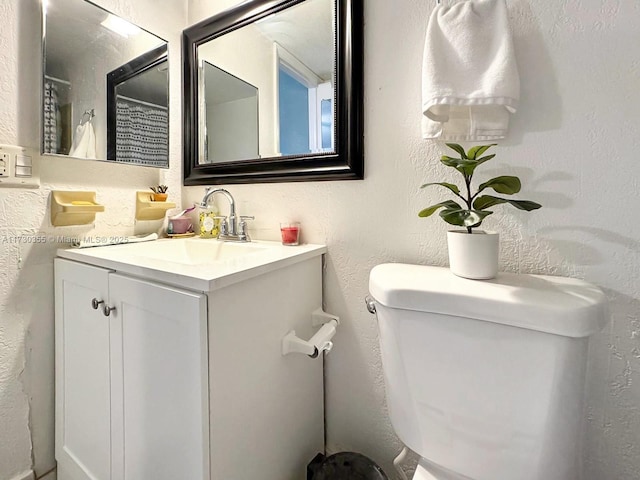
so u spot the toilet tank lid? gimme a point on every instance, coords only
(562, 306)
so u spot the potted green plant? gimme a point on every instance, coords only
(473, 253)
(159, 193)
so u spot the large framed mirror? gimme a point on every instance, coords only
(105, 87)
(273, 91)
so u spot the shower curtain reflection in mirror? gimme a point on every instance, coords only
(138, 115)
(57, 116)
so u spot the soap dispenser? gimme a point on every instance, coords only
(209, 222)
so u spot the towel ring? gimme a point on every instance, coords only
(89, 114)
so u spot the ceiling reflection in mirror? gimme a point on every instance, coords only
(273, 81)
(105, 87)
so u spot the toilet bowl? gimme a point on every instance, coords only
(429, 471)
(422, 473)
(484, 379)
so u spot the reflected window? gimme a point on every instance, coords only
(326, 124)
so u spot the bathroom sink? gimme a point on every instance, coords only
(194, 251)
(194, 263)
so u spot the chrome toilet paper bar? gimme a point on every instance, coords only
(320, 342)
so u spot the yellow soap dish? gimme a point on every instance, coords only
(148, 209)
(73, 208)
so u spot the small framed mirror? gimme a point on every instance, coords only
(273, 92)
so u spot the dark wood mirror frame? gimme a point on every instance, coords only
(120, 75)
(346, 163)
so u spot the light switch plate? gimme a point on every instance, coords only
(23, 160)
(18, 167)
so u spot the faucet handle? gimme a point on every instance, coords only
(224, 227)
(242, 225)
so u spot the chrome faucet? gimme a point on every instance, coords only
(230, 230)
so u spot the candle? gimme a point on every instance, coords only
(290, 232)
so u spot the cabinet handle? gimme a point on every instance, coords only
(106, 310)
(95, 303)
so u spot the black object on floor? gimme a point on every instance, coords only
(344, 466)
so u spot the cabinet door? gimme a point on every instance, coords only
(83, 417)
(159, 381)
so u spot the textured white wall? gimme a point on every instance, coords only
(574, 143)
(26, 272)
(198, 10)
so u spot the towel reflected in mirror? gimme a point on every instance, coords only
(84, 138)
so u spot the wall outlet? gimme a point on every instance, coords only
(5, 162)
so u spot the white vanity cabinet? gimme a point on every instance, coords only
(131, 387)
(185, 378)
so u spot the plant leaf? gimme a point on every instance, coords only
(427, 212)
(464, 166)
(526, 205)
(505, 184)
(464, 218)
(468, 168)
(457, 148)
(450, 161)
(487, 201)
(475, 152)
(450, 186)
(485, 159)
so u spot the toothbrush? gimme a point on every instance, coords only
(187, 210)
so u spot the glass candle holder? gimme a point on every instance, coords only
(290, 232)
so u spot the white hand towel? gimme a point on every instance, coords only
(91, 144)
(470, 79)
(80, 138)
(84, 142)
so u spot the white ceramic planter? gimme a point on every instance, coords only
(473, 255)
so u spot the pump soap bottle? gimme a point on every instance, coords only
(209, 224)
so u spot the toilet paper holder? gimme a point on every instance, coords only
(320, 342)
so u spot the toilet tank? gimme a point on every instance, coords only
(485, 379)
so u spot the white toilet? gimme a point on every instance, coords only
(485, 379)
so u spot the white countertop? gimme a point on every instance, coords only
(157, 262)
